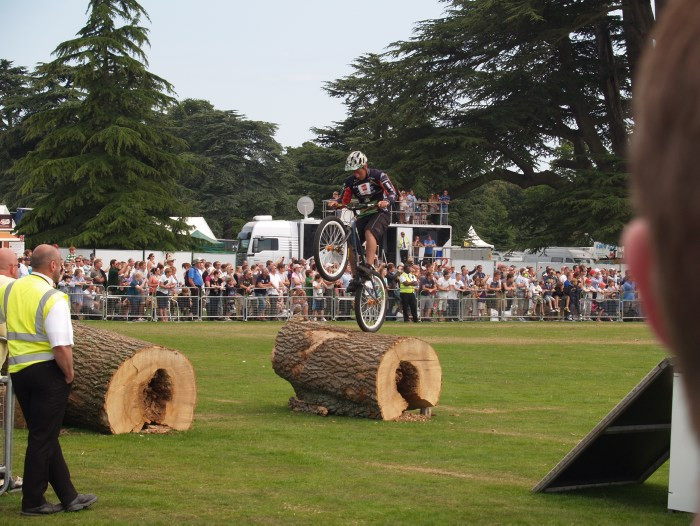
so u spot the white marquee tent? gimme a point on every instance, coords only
(473, 240)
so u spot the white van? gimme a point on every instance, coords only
(563, 255)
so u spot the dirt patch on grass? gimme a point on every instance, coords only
(521, 341)
(490, 478)
(412, 417)
(301, 509)
(213, 417)
(495, 410)
(518, 434)
(224, 401)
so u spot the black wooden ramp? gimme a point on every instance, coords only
(627, 446)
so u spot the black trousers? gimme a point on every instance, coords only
(408, 302)
(403, 255)
(42, 392)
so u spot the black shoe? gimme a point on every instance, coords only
(364, 270)
(82, 501)
(352, 286)
(45, 509)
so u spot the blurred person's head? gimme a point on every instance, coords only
(9, 265)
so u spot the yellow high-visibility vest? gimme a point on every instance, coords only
(24, 305)
(3, 328)
(402, 283)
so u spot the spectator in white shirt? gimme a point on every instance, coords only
(454, 295)
(318, 299)
(537, 299)
(444, 287)
(23, 269)
(166, 287)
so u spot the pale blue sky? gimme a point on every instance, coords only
(265, 59)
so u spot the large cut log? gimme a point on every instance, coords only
(123, 384)
(347, 372)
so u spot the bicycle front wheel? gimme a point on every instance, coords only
(331, 249)
(370, 303)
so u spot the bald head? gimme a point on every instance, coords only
(8, 263)
(47, 260)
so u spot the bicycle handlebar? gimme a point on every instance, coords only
(358, 207)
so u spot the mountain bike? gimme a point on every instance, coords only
(336, 242)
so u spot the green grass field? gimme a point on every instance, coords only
(515, 399)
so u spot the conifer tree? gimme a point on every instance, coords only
(13, 91)
(104, 174)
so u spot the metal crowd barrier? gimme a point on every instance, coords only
(185, 304)
(472, 308)
(631, 310)
(189, 304)
(258, 307)
(7, 407)
(343, 307)
(87, 302)
(393, 308)
(118, 304)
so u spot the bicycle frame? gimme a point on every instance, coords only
(334, 241)
(358, 252)
(353, 236)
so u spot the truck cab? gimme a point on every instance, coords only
(264, 239)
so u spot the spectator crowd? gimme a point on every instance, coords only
(164, 291)
(412, 210)
(417, 211)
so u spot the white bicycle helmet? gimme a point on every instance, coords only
(355, 161)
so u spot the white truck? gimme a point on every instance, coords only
(264, 239)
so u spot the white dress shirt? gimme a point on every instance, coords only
(59, 327)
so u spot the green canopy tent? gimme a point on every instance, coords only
(207, 243)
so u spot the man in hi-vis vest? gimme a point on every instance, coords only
(40, 343)
(407, 287)
(9, 271)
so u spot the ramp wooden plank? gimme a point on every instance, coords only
(626, 446)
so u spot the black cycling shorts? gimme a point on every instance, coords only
(375, 223)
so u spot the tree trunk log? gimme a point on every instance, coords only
(345, 372)
(123, 384)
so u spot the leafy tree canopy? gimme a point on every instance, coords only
(240, 167)
(318, 172)
(532, 92)
(103, 173)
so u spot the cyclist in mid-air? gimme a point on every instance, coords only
(368, 185)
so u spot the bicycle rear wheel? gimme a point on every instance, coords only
(370, 303)
(330, 248)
